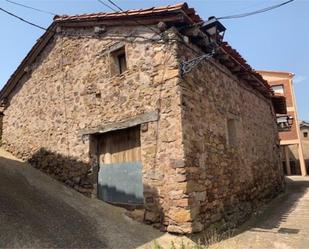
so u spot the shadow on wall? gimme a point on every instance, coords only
(80, 176)
(294, 162)
(280, 208)
(74, 173)
(269, 219)
(151, 212)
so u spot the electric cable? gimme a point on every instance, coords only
(153, 30)
(125, 12)
(21, 19)
(32, 8)
(106, 5)
(255, 12)
(115, 5)
(251, 6)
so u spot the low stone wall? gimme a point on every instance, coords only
(70, 171)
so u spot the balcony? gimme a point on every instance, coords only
(284, 122)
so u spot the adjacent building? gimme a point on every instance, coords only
(304, 138)
(288, 125)
(127, 108)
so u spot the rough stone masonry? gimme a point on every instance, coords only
(210, 156)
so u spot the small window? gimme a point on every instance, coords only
(118, 61)
(305, 134)
(232, 132)
(278, 89)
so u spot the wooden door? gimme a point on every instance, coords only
(120, 173)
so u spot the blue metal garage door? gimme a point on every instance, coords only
(120, 173)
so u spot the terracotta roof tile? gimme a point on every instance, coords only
(149, 12)
(136, 12)
(234, 53)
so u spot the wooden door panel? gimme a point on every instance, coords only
(120, 174)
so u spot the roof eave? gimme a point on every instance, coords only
(176, 14)
(30, 57)
(289, 74)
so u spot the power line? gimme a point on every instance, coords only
(32, 8)
(255, 12)
(115, 5)
(21, 19)
(246, 8)
(119, 8)
(153, 30)
(181, 41)
(106, 5)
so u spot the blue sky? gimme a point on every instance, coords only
(275, 40)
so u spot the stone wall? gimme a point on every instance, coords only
(226, 182)
(70, 88)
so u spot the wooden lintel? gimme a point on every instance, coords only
(137, 120)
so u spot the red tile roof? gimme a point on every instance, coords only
(234, 53)
(188, 15)
(190, 12)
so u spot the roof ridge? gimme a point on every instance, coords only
(130, 12)
(174, 13)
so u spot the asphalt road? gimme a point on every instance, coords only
(39, 212)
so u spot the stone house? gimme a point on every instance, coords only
(100, 104)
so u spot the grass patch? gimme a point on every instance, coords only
(204, 241)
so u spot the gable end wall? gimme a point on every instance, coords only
(69, 89)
